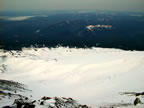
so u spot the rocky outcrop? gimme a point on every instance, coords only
(46, 102)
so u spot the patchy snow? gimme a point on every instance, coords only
(92, 76)
(37, 31)
(92, 27)
(18, 18)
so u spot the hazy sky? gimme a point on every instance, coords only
(120, 5)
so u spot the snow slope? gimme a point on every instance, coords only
(92, 76)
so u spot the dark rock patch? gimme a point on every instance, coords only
(12, 86)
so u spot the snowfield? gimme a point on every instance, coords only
(18, 18)
(95, 77)
(92, 27)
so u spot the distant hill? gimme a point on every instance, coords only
(110, 30)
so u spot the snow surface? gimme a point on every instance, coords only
(91, 27)
(18, 18)
(92, 76)
(37, 31)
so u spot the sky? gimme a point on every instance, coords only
(113, 5)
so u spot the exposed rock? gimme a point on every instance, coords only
(132, 93)
(12, 86)
(46, 102)
(137, 101)
(6, 107)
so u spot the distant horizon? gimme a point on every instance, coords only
(64, 5)
(74, 10)
(66, 11)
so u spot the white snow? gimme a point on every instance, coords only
(18, 18)
(91, 76)
(91, 27)
(37, 31)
